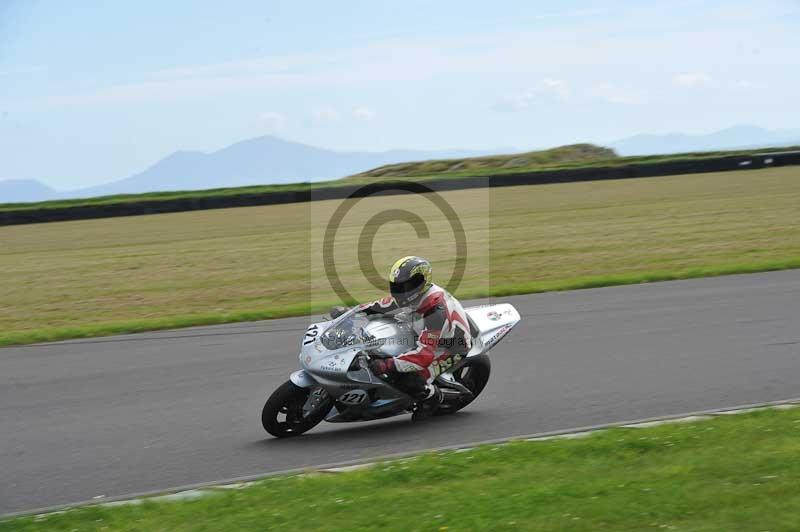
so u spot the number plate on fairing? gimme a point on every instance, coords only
(353, 397)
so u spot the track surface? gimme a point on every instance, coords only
(143, 412)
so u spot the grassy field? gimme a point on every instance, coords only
(578, 154)
(90, 277)
(730, 473)
(158, 196)
(572, 156)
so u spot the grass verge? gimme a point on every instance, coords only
(729, 473)
(530, 287)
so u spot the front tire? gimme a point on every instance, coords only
(282, 415)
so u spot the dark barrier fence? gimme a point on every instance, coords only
(135, 208)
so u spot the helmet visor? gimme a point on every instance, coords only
(406, 290)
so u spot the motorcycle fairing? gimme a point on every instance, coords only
(333, 369)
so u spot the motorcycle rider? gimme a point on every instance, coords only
(441, 324)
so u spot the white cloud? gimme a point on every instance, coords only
(555, 86)
(364, 114)
(547, 89)
(272, 120)
(692, 80)
(325, 115)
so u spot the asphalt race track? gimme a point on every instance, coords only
(112, 416)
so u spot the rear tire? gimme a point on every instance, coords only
(282, 415)
(474, 374)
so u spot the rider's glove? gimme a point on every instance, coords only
(338, 311)
(381, 366)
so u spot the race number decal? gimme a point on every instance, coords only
(311, 335)
(354, 397)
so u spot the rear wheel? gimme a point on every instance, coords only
(282, 415)
(473, 374)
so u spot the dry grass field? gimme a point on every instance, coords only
(82, 278)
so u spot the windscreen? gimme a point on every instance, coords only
(348, 331)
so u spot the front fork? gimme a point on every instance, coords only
(317, 398)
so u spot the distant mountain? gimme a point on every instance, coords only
(258, 161)
(743, 137)
(24, 190)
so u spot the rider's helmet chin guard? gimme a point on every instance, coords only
(409, 278)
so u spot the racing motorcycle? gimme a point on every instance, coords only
(336, 384)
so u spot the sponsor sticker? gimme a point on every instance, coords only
(499, 334)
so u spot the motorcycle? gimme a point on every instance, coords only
(336, 384)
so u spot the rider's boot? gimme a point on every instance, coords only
(430, 403)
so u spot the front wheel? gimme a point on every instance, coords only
(283, 413)
(473, 374)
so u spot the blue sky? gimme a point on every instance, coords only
(94, 91)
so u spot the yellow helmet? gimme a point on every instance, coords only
(409, 278)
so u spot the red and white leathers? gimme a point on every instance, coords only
(442, 328)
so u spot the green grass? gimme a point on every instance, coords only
(564, 157)
(159, 196)
(730, 473)
(575, 154)
(96, 277)
(537, 162)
